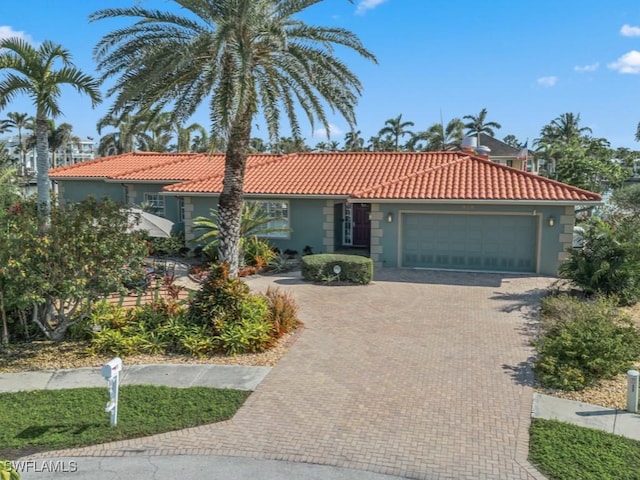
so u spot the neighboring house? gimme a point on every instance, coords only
(444, 210)
(505, 154)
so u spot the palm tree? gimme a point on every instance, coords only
(512, 141)
(32, 72)
(478, 124)
(564, 128)
(19, 121)
(244, 57)
(59, 138)
(441, 138)
(397, 129)
(184, 136)
(353, 142)
(130, 130)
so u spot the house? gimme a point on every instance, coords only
(444, 210)
(505, 154)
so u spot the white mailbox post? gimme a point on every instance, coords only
(111, 372)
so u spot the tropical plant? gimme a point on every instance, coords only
(245, 57)
(512, 141)
(32, 72)
(130, 128)
(396, 129)
(185, 139)
(254, 222)
(478, 124)
(59, 139)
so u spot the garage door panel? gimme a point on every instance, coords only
(469, 242)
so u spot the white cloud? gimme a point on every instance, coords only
(547, 81)
(630, 31)
(587, 68)
(364, 5)
(627, 63)
(322, 134)
(7, 32)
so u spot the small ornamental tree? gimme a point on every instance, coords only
(83, 257)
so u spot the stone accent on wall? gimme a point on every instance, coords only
(567, 221)
(328, 226)
(188, 220)
(376, 249)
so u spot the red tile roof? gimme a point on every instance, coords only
(362, 175)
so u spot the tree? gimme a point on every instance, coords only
(32, 72)
(396, 129)
(246, 57)
(81, 258)
(59, 138)
(512, 141)
(353, 142)
(479, 124)
(19, 121)
(440, 138)
(564, 128)
(130, 128)
(184, 136)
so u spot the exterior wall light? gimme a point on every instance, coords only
(389, 217)
(551, 221)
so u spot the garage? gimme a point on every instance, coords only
(504, 243)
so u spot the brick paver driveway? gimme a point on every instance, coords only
(421, 375)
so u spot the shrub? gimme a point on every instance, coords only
(103, 315)
(7, 471)
(258, 253)
(283, 311)
(587, 342)
(609, 263)
(251, 332)
(320, 268)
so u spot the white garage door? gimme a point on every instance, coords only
(505, 243)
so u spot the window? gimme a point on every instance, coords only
(180, 210)
(156, 202)
(276, 209)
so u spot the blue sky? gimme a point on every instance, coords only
(526, 62)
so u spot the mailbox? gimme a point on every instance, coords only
(112, 369)
(111, 372)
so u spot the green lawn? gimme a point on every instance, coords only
(52, 419)
(567, 452)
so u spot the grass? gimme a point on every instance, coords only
(43, 420)
(562, 451)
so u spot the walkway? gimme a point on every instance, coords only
(420, 375)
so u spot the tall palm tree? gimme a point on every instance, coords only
(33, 72)
(353, 142)
(478, 124)
(441, 138)
(244, 57)
(184, 136)
(130, 130)
(563, 128)
(59, 139)
(19, 121)
(397, 129)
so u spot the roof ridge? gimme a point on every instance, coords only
(414, 174)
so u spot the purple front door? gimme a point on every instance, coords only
(361, 225)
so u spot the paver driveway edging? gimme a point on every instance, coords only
(422, 374)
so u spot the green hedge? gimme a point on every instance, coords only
(353, 268)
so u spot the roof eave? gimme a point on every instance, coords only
(476, 201)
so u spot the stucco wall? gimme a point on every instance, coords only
(76, 190)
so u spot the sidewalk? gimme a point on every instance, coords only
(619, 422)
(187, 375)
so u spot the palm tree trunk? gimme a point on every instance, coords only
(42, 160)
(231, 198)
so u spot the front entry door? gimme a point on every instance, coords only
(361, 225)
